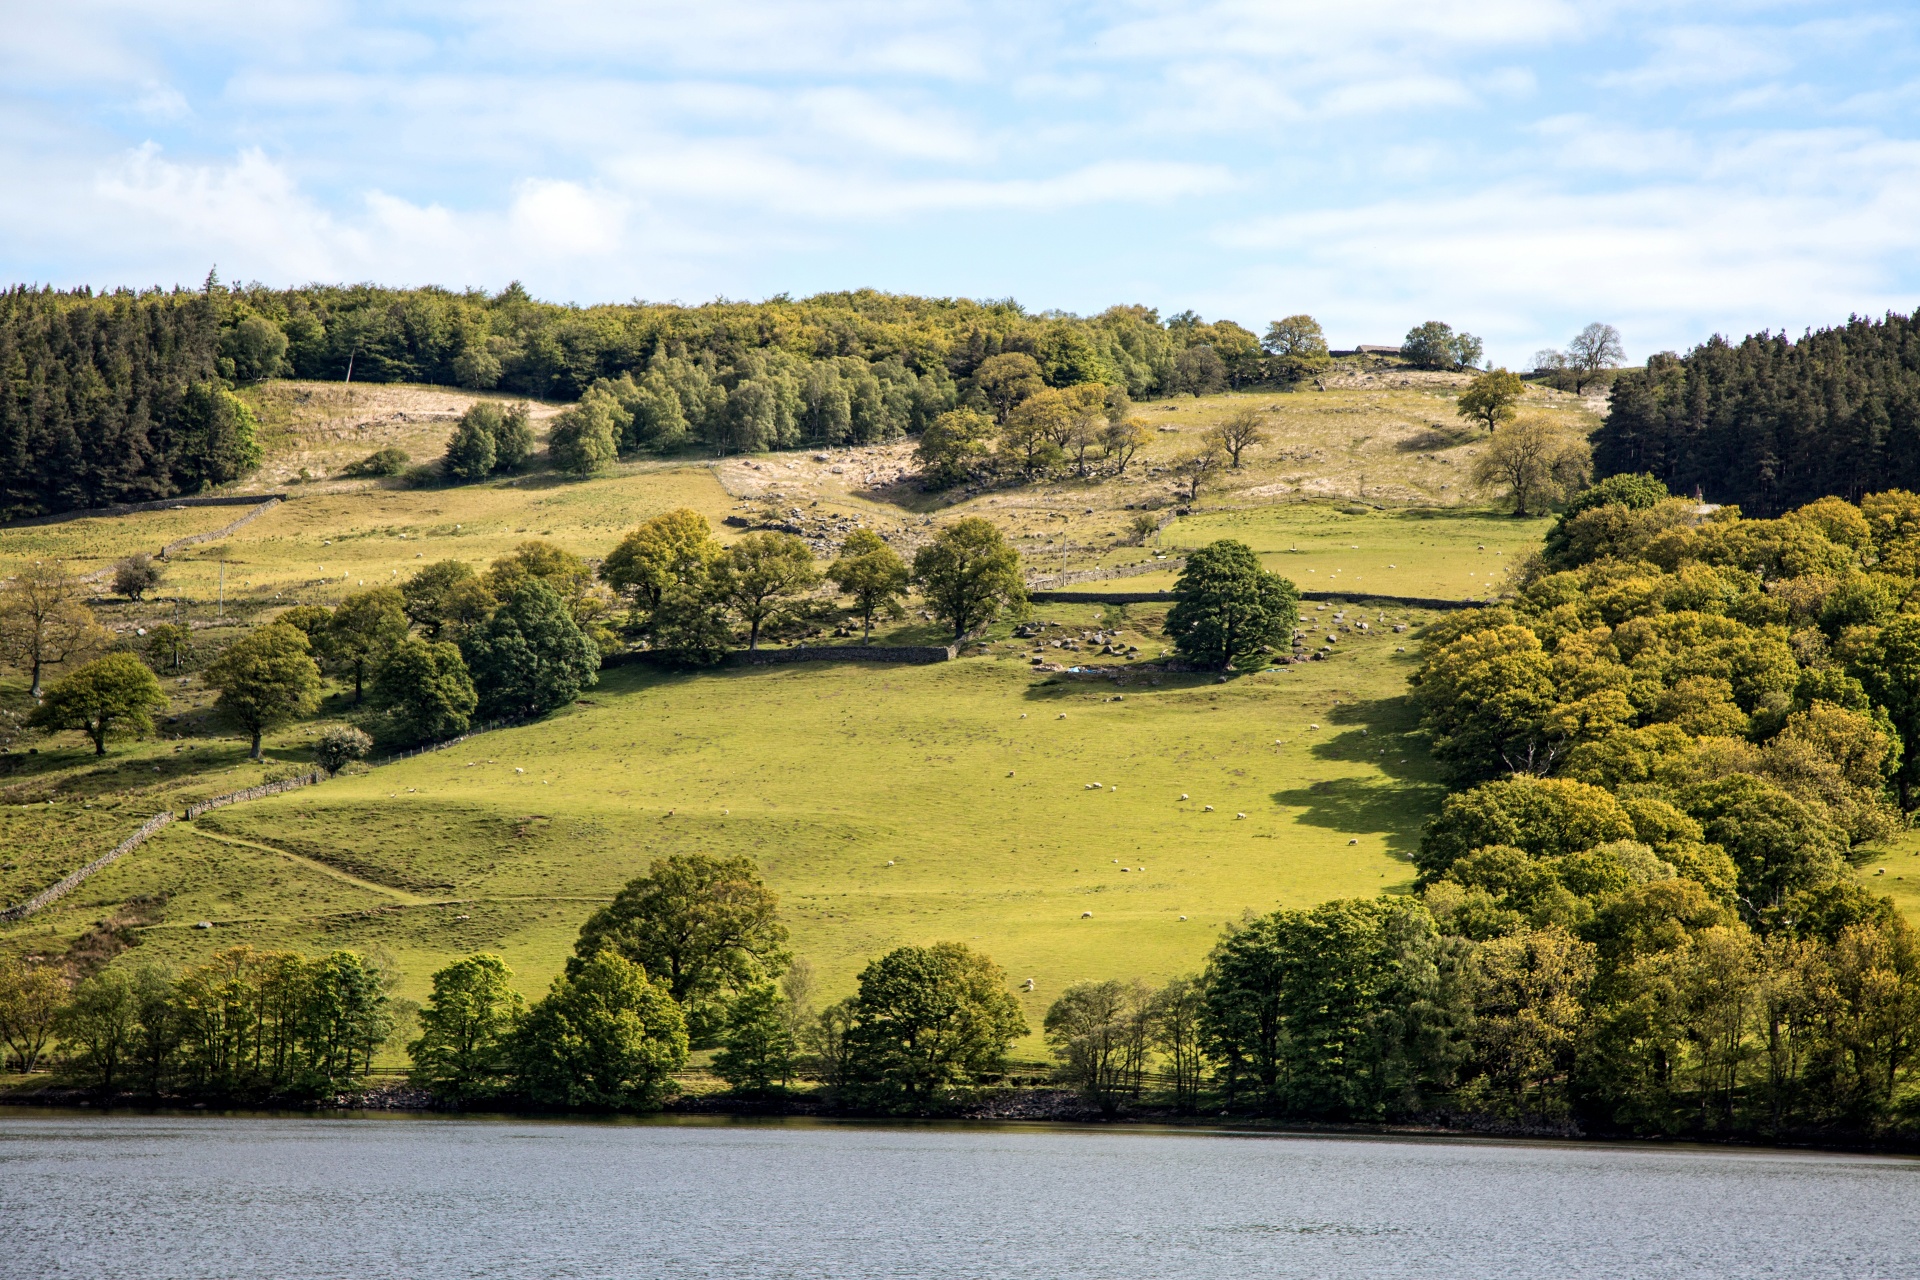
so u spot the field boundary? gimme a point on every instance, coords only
(260, 792)
(1053, 581)
(911, 654)
(159, 504)
(1167, 597)
(73, 880)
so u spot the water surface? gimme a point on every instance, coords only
(439, 1199)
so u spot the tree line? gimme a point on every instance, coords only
(128, 395)
(119, 398)
(1770, 423)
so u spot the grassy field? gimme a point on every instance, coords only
(887, 805)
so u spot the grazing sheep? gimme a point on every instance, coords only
(1238, 816)
(1208, 809)
(1086, 915)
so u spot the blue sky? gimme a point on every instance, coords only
(1515, 168)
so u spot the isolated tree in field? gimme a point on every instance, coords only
(99, 1026)
(364, 627)
(136, 575)
(604, 1036)
(1122, 438)
(265, 679)
(1594, 350)
(1101, 1033)
(466, 1030)
(585, 439)
(756, 1051)
(43, 621)
(444, 597)
(759, 574)
(530, 656)
(1297, 346)
(31, 997)
(1435, 345)
(954, 446)
(1229, 611)
(471, 451)
(1198, 470)
(1240, 431)
(927, 1019)
(706, 926)
(969, 573)
(668, 552)
(1490, 398)
(1005, 380)
(872, 573)
(168, 646)
(424, 686)
(338, 745)
(1536, 462)
(114, 696)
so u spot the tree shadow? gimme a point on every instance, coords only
(1383, 733)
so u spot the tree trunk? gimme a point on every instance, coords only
(753, 635)
(34, 692)
(866, 628)
(255, 753)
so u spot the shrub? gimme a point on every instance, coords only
(386, 462)
(338, 744)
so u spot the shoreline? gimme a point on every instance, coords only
(1060, 1110)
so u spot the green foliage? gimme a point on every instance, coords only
(759, 574)
(513, 438)
(1434, 345)
(1545, 817)
(529, 657)
(872, 573)
(252, 350)
(1228, 610)
(757, 1050)
(605, 1037)
(926, 1021)
(444, 598)
(954, 447)
(1771, 422)
(424, 688)
(466, 1031)
(363, 630)
(31, 997)
(706, 926)
(670, 552)
(265, 679)
(1297, 346)
(1491, 398)
(969, 573)
(1352, 1010)
(339, 745)
(1102, 1033)
(381, 462)
(471, 452)
(136, 575)
(99, 1025)
(114, 696)
(585, 439)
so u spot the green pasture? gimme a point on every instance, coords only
(1439, 552)
(887, 804)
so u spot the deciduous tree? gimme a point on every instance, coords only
(466, 1030)
(926, 1020)
(604, 1036)
(364, 628)
(1536, 462)
(1238, 432)
(265, 679)
(872, 573)
(425, 688)
(969, 573)
(1228, 610)
(114, 696)
(530, 656)
(758, 576)
(43, 621)
(1490, 398)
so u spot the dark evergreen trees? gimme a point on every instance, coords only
(1770, 423)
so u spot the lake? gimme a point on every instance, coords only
(157, 1197)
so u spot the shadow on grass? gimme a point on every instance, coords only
(1398, 808)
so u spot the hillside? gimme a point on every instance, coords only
(823, 774)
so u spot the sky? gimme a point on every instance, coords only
(1516, 168)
